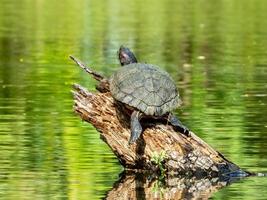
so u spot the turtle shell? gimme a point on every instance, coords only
(145, 87)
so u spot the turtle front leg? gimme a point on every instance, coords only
(173, 120)
(136, 128)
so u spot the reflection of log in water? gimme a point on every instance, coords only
(140, 186)
(160, 146)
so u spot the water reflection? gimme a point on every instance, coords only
(144, 186)
(47, 152)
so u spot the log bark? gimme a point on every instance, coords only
(159, 144)
(160, 147)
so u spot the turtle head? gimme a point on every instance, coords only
(126, 57)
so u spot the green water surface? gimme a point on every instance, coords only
(216, 51)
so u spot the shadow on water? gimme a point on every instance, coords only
(150, 186)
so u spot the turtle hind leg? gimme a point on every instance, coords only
(136, 128)
(174, 121)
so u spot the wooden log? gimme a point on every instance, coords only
(160, 148)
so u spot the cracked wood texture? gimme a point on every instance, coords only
(182, 155)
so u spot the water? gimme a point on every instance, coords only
(214, 50)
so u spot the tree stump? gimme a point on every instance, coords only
(160, 148)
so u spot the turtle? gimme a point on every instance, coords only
(147, 89)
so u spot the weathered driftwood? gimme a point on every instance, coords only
(160, 146)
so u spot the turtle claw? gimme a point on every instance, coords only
(186, 132)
